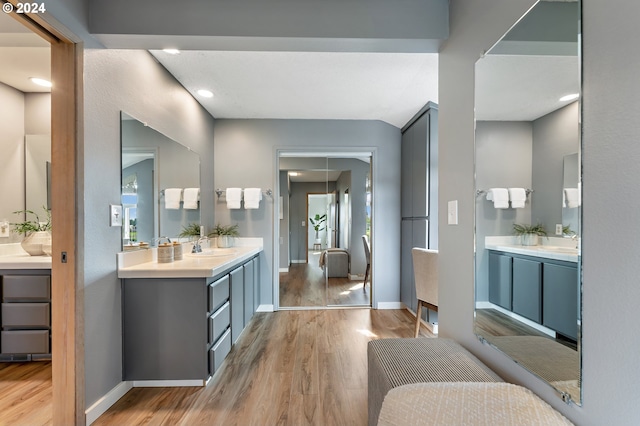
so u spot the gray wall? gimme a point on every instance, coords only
(503, 159)
(298, 214)
(610, 172)
(145, 207)
(285, 254)
(554, 136)
(245, 156)
(131, 81)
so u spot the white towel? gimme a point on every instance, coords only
(518, 197)
(191, 197)
(499, 196)
(252, 197)
(172, 198)
(234, 197)
(571, 197)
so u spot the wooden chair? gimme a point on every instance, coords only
(367, 255)
(425, 271)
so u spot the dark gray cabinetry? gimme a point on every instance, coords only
(237, 302)
(560, 302)
(527, 289)
(500, 275)
(25, 315)
(249, 282)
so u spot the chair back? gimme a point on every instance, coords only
(425, 271)
(367, 250)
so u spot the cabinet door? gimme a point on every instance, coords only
(406, 189)
(419, 168)
(256, 283)
(500, 274)
(237, 303)
(248, 291)
(527, 289)
(560, 299)
(407, 287)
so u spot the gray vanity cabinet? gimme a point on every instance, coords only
(500, 279)
(25, 315)
(527, 288)
(249, 281)
(561, 299)
(237, 303)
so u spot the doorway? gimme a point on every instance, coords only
(325, 212)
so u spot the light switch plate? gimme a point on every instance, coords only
(452, 212)
(4, 230)
(115, 214)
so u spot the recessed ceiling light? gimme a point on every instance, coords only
(171, 51)
(570, 97)
(293, 173)
(41, 82)
(205, 93)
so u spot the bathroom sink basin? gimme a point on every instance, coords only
(215, 252)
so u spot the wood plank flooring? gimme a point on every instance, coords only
(288, 368)
(304, 286)
(25, 393)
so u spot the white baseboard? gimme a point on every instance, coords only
(98, 408)
(390, 305)
(532, 324)
(285, 270)
(168, 383)
(265, 308)
(299, 261)
(356, 277)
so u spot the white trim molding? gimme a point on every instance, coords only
(265, 308)
(99, 407)
(390, 305)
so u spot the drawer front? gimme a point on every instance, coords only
(219, 351)
(219, 322)
(218, 293)
(26, 287)
(25, 315)
(25, 342)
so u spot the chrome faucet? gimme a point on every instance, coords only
(197, 246)
(576, 239)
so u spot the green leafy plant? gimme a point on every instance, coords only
(537, 229)
(226, 230)
(317, 223)
(191, 230)
(29, 226)
(566, 230)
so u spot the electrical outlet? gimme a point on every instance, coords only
(115, 215)
(304, 223)
(558, 229)
(452, 212)
(4, 229)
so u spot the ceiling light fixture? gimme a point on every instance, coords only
(171, 51)
(41, 82)
(293, 173)
(570, 97)
(205, 93)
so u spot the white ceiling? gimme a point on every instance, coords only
(22, 55)
(390, 87)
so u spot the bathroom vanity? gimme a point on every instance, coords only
(181, 319)
(25, 312)
(539, 283)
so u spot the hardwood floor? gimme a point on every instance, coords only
(288, 368)
(25, 389)
(304, 286)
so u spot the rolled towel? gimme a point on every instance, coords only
(252, 197)
(499, 196)
(172, 198)
(234, 197)
(518, 197)
(191, 197)
(572, 197)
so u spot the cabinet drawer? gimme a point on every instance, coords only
(218, 293)
(219, 351)
(26, 287)
(25, 315)
(25, 342)
(219, 322)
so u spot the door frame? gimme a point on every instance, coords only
(67, 297)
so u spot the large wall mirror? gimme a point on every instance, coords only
(325, 230)
(527, 148)
(151, 164)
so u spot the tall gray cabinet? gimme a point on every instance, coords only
(419, 194)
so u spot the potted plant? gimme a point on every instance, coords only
(316, 223)
(529, 234)
(37, 234)
(191, 231)
(225, 234)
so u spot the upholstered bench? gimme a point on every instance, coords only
(335, 263)
(397, 362)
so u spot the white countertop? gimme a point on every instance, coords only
(12, 256)
(561, 250)
(142, 264)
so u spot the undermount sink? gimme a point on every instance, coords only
(215, 252)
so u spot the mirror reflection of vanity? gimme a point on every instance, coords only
(528, 137)
(152, 163)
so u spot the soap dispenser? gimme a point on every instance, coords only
(4, 229)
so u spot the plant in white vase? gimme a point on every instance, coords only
(225, 234)
(529, 234)
(37, 234)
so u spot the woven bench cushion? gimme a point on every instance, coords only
(397, 362)
(493, 404)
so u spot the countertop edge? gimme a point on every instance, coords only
(537, 252)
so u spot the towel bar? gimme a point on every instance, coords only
(221, 192)
(484, 191)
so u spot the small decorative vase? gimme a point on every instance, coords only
(224, 241)
(529, 239)
(34, 242)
